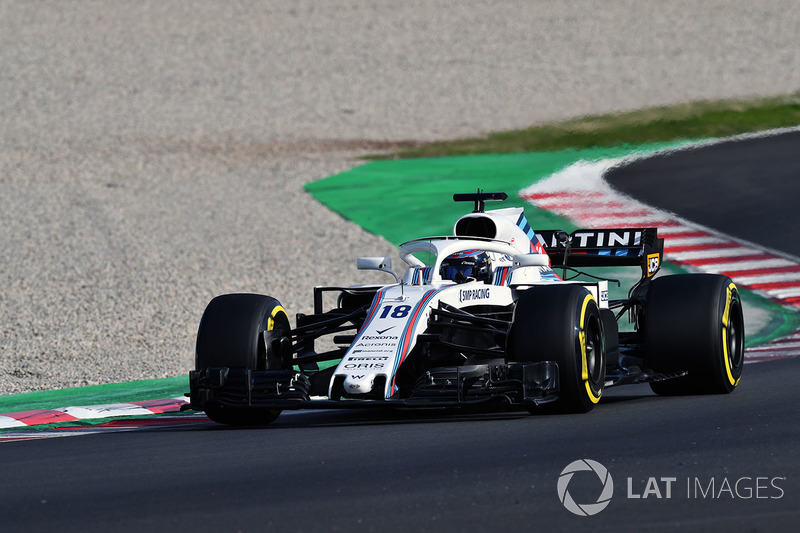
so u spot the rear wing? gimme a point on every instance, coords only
(605, 247)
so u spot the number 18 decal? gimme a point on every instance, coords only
(401, 311)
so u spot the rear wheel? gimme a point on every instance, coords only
(562, 323)
(694, 323)
(241, 331)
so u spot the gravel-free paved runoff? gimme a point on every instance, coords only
(152, 154)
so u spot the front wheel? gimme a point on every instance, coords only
(562, 323)
(242, 331)
(694, 323)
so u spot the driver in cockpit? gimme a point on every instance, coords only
(467, 266)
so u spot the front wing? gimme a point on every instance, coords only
(513, 384)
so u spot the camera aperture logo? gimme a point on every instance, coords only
(603, 479)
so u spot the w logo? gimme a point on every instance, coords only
(604, 477)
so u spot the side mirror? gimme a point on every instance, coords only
(374, 263)
(384, 264)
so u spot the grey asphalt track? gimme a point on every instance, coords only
(747, 188)
(364, 471)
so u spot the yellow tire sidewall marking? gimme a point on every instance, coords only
(271, 321)
(584, 365)
(725, 319)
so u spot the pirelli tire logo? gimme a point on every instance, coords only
(653, 264)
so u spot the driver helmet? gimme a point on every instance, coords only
(467, 266)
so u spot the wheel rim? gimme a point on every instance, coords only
(594, 355)
(275, 326)
(735, 338)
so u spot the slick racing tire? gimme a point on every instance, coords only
(694, 323)
(562, 323)
(241, 331)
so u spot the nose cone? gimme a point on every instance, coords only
(359, 384)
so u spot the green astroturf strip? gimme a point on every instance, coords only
(410, 198)
(134, 391)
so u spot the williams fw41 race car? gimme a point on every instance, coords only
(481, 317)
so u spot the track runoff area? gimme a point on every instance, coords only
(563, 190)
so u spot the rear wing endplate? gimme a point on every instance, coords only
(605, 247)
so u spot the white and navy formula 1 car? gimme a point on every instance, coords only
(485, 316)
